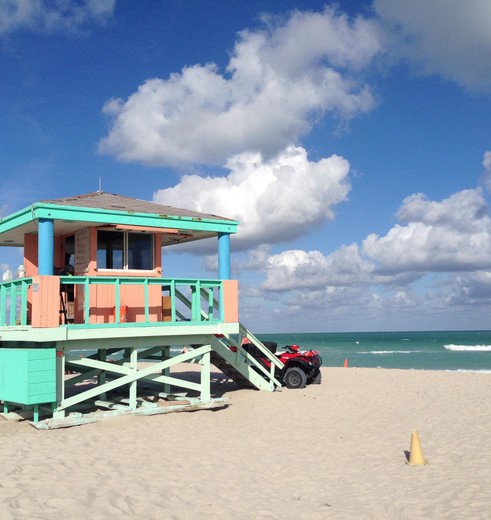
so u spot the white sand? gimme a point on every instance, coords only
(332, 451)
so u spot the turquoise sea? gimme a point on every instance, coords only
(461, 350)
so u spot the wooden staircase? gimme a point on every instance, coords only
(230, 371)
(236, 363)
(229, 357)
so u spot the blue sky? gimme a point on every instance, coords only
(351, 140)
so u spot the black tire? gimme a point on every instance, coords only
(317, 380)
(295, 378)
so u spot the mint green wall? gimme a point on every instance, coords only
(28, 375)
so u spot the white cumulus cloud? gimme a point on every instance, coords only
(280, 79)
(274, 200)
(296, 269)
(450, 235)
(446, 37)
(52, 15)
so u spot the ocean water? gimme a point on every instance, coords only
(454, 350)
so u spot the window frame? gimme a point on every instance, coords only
(125, 250)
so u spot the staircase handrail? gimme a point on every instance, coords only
(245, 333)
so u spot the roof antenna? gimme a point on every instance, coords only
(100, 185)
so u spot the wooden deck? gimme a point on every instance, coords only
(111, 350)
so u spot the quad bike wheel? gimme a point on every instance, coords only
(295, 378)
(317, 379)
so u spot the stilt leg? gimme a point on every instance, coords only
(101, 378)
(205, 377)
(60, 374)
(166, 371)
(134, 384)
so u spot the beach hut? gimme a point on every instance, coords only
(93, 301)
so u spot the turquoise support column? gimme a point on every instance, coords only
(46, 246)
(224, 256)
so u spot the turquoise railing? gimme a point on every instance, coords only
(13, 302)
(192, 300)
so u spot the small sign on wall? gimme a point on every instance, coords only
(82, 251)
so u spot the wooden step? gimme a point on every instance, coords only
(230, 371)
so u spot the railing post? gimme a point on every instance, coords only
(13, 303)
(173, 300)
(23, 304)
(146, 301)
(3, 304)
(87, 300)
(196, 310)
(210, 303)
(117, 299)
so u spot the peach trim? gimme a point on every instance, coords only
(127, 227)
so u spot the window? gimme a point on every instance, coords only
(124, 250)
(139, 251)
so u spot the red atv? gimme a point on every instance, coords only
(301, 367)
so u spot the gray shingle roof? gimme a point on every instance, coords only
(111, 201)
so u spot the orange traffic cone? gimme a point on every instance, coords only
(346, 363)
(416, 457)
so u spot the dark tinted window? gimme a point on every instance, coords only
(110, 247)
(140, 251)
(122, 250)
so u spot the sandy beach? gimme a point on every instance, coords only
(330, 451)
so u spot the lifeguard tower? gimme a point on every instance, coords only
(117, 323)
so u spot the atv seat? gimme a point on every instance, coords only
(257, 353)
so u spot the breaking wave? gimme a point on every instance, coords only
(390, 352)
(468, 348)
(469, 370)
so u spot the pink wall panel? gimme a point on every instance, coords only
(132, 303)
(45, 301)
(230, 301)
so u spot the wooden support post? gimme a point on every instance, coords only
(101, 377)
(133, 384)
(166, 371)
(60, 375)
(205, 378)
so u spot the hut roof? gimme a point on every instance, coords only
(100, 209)
(111, 202)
